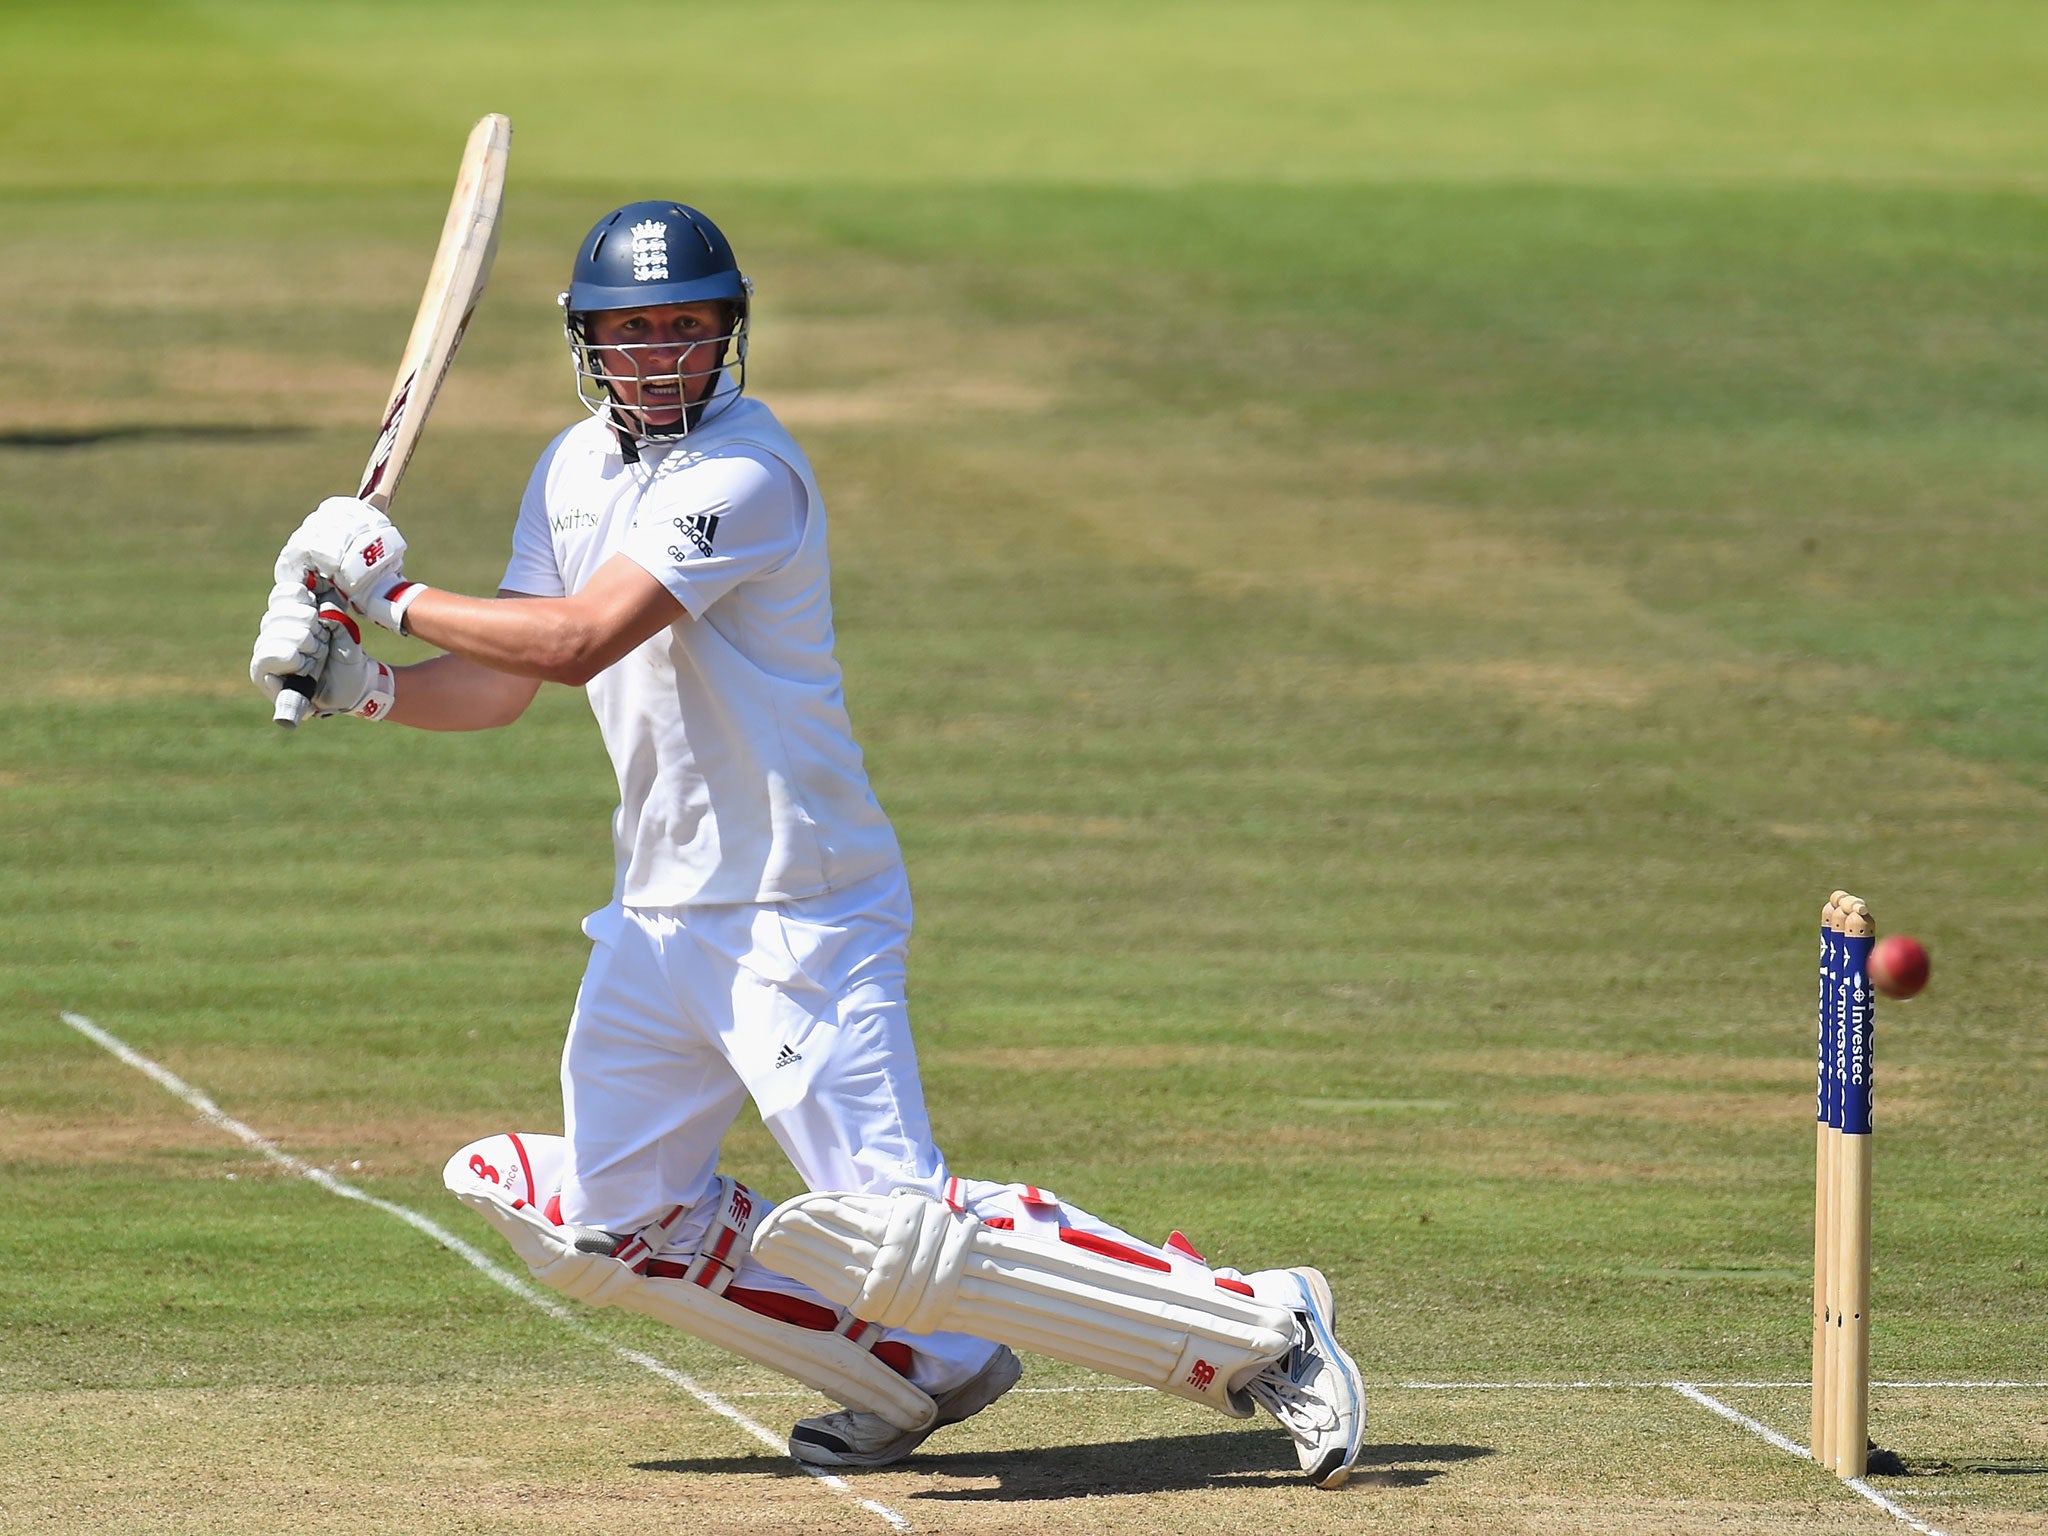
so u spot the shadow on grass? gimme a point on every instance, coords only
(195, 432)
(1160, 1464)
(1971, 1466)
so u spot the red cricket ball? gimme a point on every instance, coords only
(1898, 965)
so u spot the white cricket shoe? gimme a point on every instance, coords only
(850, 1438)
(1314, 1390)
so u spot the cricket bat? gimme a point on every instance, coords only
(469, 239)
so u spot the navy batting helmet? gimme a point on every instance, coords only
(653, 253)
(639, 256)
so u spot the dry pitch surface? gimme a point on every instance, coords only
(677, 1425)
(1078, 1456)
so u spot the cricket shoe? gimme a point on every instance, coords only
(850, 1438)
(1314, 1390)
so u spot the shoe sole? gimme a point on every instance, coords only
(1002, 1372)
(815, 1453)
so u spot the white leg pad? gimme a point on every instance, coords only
(831, 1362)
(906, 1261)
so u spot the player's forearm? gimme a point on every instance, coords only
(550, 639)
(557, 639)
(453, 693)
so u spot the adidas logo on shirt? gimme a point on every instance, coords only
(786, 1057)
(700, 528)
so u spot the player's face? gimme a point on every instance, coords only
(661, 359)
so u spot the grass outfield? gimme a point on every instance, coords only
(1386, 559)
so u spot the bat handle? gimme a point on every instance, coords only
(293, 700)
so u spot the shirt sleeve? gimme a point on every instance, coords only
(533, 568)
(723, 521)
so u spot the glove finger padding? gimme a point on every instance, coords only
(291, 641)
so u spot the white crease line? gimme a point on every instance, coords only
(1575, 1386)
(1013, 1392)
(1686, 1389)
(1517, 1386)
(213, 1113)
(1794, 1448)
(1499, 1386)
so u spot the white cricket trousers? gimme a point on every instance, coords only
(684, 1012)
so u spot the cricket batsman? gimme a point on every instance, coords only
(669, 557)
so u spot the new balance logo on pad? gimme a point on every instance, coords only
(786, 1057)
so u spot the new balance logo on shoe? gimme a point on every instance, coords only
(786, 1057)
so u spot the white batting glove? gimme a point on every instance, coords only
(305, 637)
(351, 683)
(291, 640)
(360, 551)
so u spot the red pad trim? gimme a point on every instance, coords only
(527, 1169)
(553, 1210)
(1110, 1249)
(800, 1313)
(1224, 1284)
(785, 1309)
(895, 1355)
(1179, 1243)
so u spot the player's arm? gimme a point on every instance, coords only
(500, 650)
(454, 693)
(569, 639)
(307, 636)
(546, 639)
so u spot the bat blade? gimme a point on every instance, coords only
(462, 264)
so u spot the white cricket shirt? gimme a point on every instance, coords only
(739, 779)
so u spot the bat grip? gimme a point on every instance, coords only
(293, 700)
